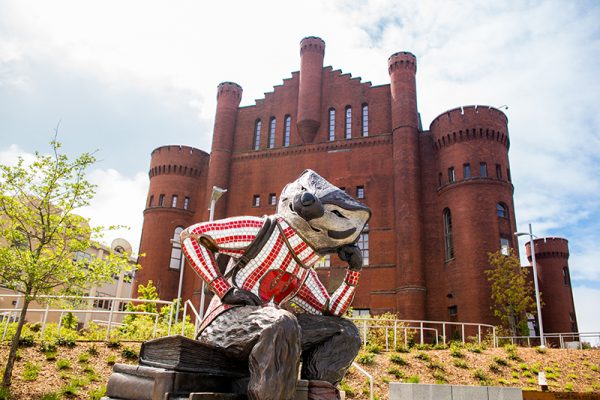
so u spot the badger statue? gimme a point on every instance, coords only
(269, 268)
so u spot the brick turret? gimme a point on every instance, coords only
(552, 259)
(177, 174)
(410, 280)
(474, 205)
(229, 96)
(312, 51)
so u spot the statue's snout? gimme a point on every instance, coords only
(308, 206)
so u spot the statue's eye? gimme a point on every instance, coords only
(303, 188)
(339, 214)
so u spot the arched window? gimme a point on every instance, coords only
(348, 125)
(501, 210)
(175, 262)
(257, 126)
(287, 126)
(448, 242)
(331, 124)
(272, 132)
(566, 277)
(151, 202)
(365, 119)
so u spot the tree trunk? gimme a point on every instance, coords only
(12, 355)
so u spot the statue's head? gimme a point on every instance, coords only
(323, 214)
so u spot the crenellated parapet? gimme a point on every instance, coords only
(230, 89)
(312, 44)
(177, 160)
(402, 60)
(469, 123)
(549, 247)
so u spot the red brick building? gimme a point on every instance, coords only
(441, 197)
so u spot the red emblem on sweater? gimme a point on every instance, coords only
(277, 285)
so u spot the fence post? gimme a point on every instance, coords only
(405, 337)
(170, 320)
(110, 317)
(444, 331)
(155, 326)
(44, 321)
(364, 332)
(479, 333)
(495, 339)
(421, 329)
(60, 322)
(183, 320)
(395, 334)
(463, 332)
(387, 340)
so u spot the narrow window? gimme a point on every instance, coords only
(256, 200)
(257, 126)
(440, 179)
(508, 174)
(483, 169)
(272, 132)
(287, 126)
(573, 322)
(348, 128)
(324, 262)
(501, 210)
(566, 277)
(272, 199)
(174, 201)
(150, 203)
(331, 124)
(175, 262)
(466, 171)
(186, 203)
(498, 171)
(451, 175)
(448, 242)
(504, 246)
(360, 192)
(365, 120)
(452, 311)
(363, 245)
(361, 313)
(161, 200)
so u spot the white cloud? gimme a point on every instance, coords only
(587, 304)
(11, 154)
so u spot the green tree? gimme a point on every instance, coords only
(512, 294)
(40, 232)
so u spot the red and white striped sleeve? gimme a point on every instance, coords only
(342, 297)
(229, 236)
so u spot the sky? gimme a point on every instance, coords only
(124, 77)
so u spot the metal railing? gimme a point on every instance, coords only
(358, 367)
(426, 331)
(12, 314)
(560, 340)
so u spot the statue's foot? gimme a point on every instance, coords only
(322, 390)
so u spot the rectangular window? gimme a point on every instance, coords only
(348, 124)
(451, 175)
(498, 171)
(151, 201)
(256, 200)
(361, 313)
(504, 246)
(175, 262)
(483, 169)
(161, 200)
(174, 201)
(466, 171)
(452, 311)
(272, 199)
(360, 192)
(186, 203)
(324, 262)
(272, 133)
(286, 130)
(363, 245)
(331, 124)
(508, 174)
(365, 120)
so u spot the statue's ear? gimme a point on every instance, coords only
(306, 171)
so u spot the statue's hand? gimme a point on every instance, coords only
(241, 297)
(351, 254)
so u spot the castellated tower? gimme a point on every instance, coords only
(177, 186)
(410, 300)
(442, 198)
(554, 279)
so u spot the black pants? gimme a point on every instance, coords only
(274, 341)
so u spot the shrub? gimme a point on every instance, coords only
(535, 368)
(436, 366)
(396, 372)
(423, 356)
(47, 347)
(347, 388)
(494, 368)
(527, 374)
(541, 350)
(26, 341)
(524, 367)
(63, 363)
(423, 346)
(93, 350)
(460, 364)
(456, 352)
(97, 394)
(65, 341)
(515, 374)
(413, 379)
(475, 349)
(70, 390)
(129, 354)
(374, 348)
(440, 346)
(500, 361)
(84, 358)
(569, 387)
(18, 355)
(480, 376)
(402, 349)
(31, 371)
(111, 360)
(50, 356)
(51, 396)
(366, 358)
(572, 376)
(398, 359)
(594, 368)
(4, 393)
(113, 344)
(503, 381)
(552, 376)
(439, 377)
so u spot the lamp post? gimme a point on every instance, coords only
(181, 265)
(216, 194)
(535, 283)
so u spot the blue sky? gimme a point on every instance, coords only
(125, 77)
